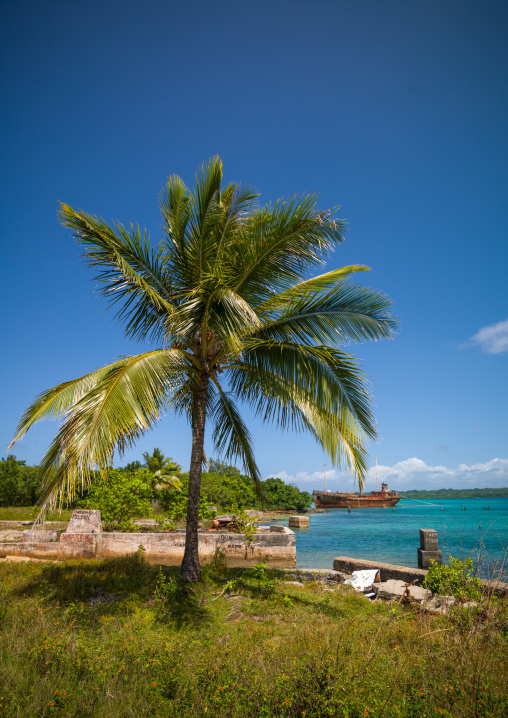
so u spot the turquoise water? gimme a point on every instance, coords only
(393, 536)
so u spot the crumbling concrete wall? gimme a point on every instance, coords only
(278, 550)
(84, 538)
(44, 535)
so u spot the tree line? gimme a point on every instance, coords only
(157, 480)
(456, 494)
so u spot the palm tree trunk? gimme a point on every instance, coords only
(190, 568)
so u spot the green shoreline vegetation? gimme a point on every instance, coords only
(122, 638)
(135, 491)
(501, 493)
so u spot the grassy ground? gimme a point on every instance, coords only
(121, 638)
(28, 513)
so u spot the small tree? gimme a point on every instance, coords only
(228, 297)
(163, 469)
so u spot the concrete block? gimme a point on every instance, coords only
(425, 558)
(253, 514)
(439, 605)
(428, 540)
(299, 522)
(276, 529)
(49, 551)
(10, 535)
(85, 521)
(397, 589)
(45, 535)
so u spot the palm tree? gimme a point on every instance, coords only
(162, 467)
(227, 296)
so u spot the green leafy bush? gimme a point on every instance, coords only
(286, 496)
(243, 524)
(228, 490)
(220, 467)
(174, 504)
(120, 496)
(454, 579)
(19, 484)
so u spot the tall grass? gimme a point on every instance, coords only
(122, 638)
(490, 555)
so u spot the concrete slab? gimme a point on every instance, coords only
(317, 574)
(396, 589)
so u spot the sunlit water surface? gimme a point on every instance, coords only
(393, 536)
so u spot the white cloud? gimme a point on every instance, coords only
(492, 339)
(409, 474)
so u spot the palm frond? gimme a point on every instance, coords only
(54, 402)
(331, 378)
(281, 243)
(289, 405)
(321, 283)
(113, 414)
(346, 313)
(231, 437)
(129, 271)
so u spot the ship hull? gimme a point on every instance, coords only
(329, 501)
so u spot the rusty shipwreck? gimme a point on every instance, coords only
(352, 500)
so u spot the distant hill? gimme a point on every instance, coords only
(456, 494)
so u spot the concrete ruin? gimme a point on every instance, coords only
(84, 538)
(428, 552)
(299, 522)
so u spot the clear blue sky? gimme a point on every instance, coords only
(395, 110)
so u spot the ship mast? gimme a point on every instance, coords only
(376, 474)
(325, 477)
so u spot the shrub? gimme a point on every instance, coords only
(454, 580)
